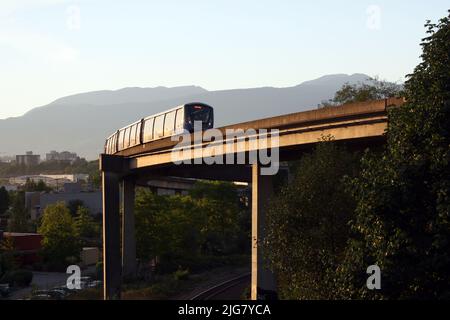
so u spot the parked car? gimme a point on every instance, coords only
(85, 281)
(53, 294)
(59, 292)
(95, 284)
(64, 289)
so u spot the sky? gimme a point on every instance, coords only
(54, 48)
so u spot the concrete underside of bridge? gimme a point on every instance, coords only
(357, 127)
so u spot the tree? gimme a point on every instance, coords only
(373, 89)
(166, 226)
(182, 229)
(59, 235)
(73, 206)
(4, 200)
(7, 258)
(18, 221)
(402, 217)
(84, 224)
(219, 202)
(307, 223)
(31, 186)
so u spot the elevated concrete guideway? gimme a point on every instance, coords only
(358, 124)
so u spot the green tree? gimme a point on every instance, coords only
(402, 218)
(59, 235)
(19, 219)
(84, 224)
(4, 200)
(31, 186)
(165, 226)
(73, 206)
(219, 203)
(183, 229)
(7, 258)
(373, 89)
(307, 223)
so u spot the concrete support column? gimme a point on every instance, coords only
(128, 230)
(112, 267)
(263, 281)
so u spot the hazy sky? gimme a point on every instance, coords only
(53, 48)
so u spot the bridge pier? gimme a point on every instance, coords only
(263, 284)
(128, 229)
(112, 271)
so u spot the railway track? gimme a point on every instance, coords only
(222, 288)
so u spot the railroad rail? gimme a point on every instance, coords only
(212, 292)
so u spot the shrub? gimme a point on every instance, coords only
(181, 275)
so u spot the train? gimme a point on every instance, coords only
(161, 125)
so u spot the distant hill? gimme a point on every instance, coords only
(81, 122)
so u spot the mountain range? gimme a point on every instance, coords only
(81, 122)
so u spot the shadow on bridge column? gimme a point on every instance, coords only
(263, 284)
(128, 230)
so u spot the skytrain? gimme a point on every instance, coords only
(162, 125)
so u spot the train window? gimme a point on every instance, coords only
(159, 126)
(200, 113)
(125, 138)
(179, 120)
(133, 135)
(148, 129)
(130, 136)
(138, 133)
(121, 135)
(169, 123)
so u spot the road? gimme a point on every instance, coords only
(41, 280)
(47, 280)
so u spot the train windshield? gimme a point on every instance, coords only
(200, 113)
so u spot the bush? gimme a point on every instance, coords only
(20, 278)
(181, 275)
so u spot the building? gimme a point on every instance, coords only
(53, 180)
(27, 246)
(89, 256)
(50, 181)
(9, 187)
(6, 159)
(76, 177)
(28, 159)
(91, 200)
(36, 202)
(61, 156)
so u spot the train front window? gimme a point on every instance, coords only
(200, 113)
